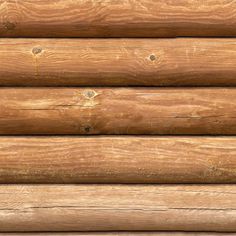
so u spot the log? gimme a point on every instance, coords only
(117, 160)
(33, 208)
(122, 234)
(118, 62)
(139, 18)
(117, 111)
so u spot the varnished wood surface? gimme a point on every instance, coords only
(117, 207)
(117, 159)
(136, 18)
(117, 111)
(118, 62)
(123, 234)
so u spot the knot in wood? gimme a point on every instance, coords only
(87, 128)
(37, 50)
(9, 25)
(90, 94)
(152, 57)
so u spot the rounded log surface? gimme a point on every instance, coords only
(117, 159)
(118, 62)
(117, 111)
(113, 18)
(117, 207)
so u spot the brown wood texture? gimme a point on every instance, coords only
(123, 62)
(117, 207)
(117, 160)
(127, 233)
(113, 18)
(117, 111)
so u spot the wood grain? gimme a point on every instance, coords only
(118, 62)
(117, 111)
(117, 159)
(110, 207)
(119, 18)
(123, 234)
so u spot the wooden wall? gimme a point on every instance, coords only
(118, 117)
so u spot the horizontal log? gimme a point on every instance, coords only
(118, 62)
(117, 160)
(148, 233)
(117, 208)
(117, 111)
(142, 18)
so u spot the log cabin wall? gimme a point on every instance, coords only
(118, 117)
